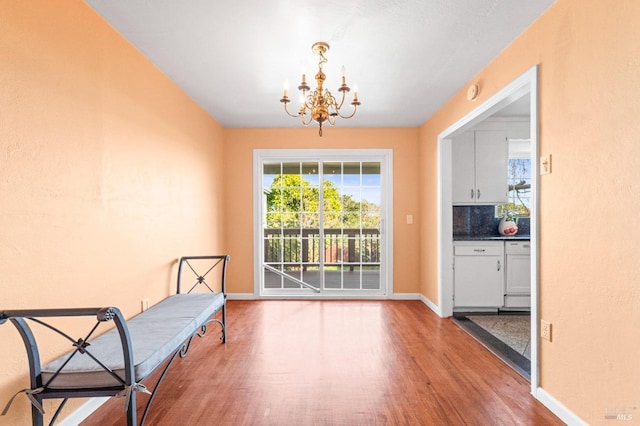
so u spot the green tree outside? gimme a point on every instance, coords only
(292, 203)
(519, 189)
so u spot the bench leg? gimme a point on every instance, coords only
(132, 417)
(36, 416)
(224, 323)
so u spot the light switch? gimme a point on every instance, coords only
(545, 164)
(409, 219)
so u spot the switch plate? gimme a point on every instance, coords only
(545, 330)
(409, 219)
(545, 164)
(144, 304)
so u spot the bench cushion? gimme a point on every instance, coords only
(155, 335)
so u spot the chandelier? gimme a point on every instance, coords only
(320, 105)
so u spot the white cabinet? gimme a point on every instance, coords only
(480, 167)
(464, 168)
(518, 278)
(478, 274)
(492, 274)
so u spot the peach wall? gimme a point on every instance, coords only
(108, 173)
(589, 83)
(239, 146)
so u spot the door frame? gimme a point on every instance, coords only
(385, 156)
(525, 83)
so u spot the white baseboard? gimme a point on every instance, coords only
(84, 411)
(405, 296)
(241, 296)
(435, 308)
(558, 409)
(251, 296)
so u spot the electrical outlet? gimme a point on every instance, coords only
(144, 304)
(545, 330)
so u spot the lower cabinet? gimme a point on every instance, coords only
(518, 268)
(492, 274)
(478, 274)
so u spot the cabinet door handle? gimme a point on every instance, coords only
(478, 194)
(498, 265)
(479, 250)
(472, 193)
(526, 246)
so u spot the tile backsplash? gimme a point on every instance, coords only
(481, 221)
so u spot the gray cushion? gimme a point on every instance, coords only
(155, 335)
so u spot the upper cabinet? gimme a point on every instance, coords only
(480, 160)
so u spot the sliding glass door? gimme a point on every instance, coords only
(321, 223)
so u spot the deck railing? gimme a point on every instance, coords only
(303, 246)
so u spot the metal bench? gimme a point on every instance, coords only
(115, 362)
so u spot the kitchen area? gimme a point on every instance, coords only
(491, 204)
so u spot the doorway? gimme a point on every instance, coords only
(524, 85)
(320, 220)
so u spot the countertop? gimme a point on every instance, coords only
(490, 238)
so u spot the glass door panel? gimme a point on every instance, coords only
(321, 227)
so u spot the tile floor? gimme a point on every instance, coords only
(514, 330)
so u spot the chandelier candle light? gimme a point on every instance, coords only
(320, 105)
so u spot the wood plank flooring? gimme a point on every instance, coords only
(338, 363)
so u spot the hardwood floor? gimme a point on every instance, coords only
(338, 363)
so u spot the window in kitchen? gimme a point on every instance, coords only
(519, 189)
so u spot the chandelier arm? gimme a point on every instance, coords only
(309, 100)
(344, 95)
(287, 111)
(305, 123)
(331, 102)
(355, 107)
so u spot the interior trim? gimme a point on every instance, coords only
(525, 83)
(385, 157)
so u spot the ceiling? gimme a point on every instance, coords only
(407, 57)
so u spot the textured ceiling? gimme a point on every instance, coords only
(407, 57)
